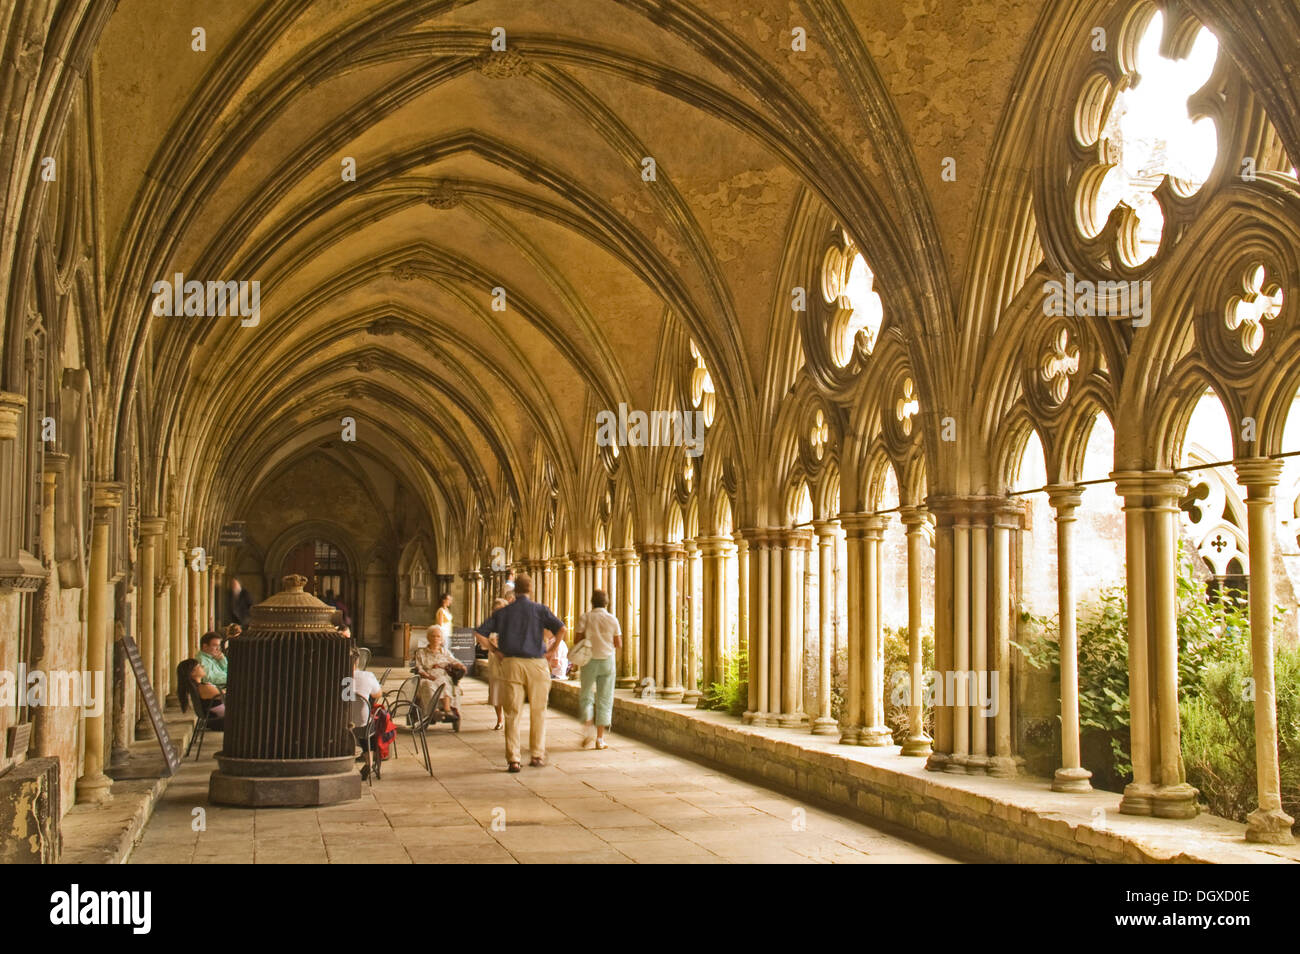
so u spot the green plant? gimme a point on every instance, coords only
(1211, 633)
(1218, 734)
(732, 694)
(897, 668)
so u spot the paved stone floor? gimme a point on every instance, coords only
(627, 803)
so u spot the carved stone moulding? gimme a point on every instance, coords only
(11, 406)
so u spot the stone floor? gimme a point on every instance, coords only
(627, 803)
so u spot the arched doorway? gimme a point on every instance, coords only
(329, 577)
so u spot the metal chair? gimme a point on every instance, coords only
(364, 654)
(201, 717)
(362, 726)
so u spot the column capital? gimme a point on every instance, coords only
(913, 516)
(714, 546)
(1259, 475)
(106, 494)
(153, 526)
(11, 406)
(856, 524)
(56, 463)
(1149, 489)
(1064, 498)
(624, 556)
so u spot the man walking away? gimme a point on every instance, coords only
(240, 603)
(523, 664)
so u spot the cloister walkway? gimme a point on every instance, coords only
(628, 803)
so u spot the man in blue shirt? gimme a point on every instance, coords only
(524, 666)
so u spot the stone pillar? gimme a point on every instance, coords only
(961, 636)
(164, 664)
(93, 785)
(790, 615)
(178, 618)
(1071, 776)
(1007, 517)
(823, 723)
(150, 530)
(757, 652)
(205, 599)
(742, 607)
(713, 587)
(1150, 514)
(855, 530)
(1268, 823)
(874, 730)
(671, 687)
(44, 732)
(693, 567)
(917, 743)
(944, 607)
(195, 592)
(625, 608)
(977, 762)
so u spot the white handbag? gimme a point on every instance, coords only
(580, 654)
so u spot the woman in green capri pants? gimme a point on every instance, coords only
(596, 701)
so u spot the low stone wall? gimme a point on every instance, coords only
(29, 813)
(1009, 820)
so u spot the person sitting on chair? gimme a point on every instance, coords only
(437, 667)
(364, 687)
(233, 631)
(213, 660)
(189, 676)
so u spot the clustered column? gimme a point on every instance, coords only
(1150, 519)
(713, 589)
(626, 591)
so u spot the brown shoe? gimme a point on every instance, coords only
(537, 763)
(512, 767)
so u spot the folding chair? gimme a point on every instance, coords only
(201, 717)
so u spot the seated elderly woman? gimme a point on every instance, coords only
(437, 667)
(190, 671)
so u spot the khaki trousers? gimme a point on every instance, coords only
(518, 675)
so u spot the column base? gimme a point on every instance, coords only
(920, 746)
(825, 726)
(849, 734)
(1270, 826)
(790, 720)
(1175, 801)
(761, 719)
(172, 701)
(875, 735)
(1137, 799)
(956, 765)
(937, 762)
(94, 789)
(977, 765)
(1003, 766)
(622, 682)
(118, 756)
(693, 696)
(747, 718)
(1072, 780)
(143, 729)
(669, 695)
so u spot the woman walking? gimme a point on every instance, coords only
(496, 688)
(600, 629)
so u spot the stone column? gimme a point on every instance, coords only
(195, 591)
(742, 607)
(1268, 823)
(874, 730)
(164, 665)
(823, 723)
(1071, 776)
(1007, 518)
(917, 742)
(759, 586)
(179, 609)
(693, 568)
(151, 529)
(671, 630)
(93, 785)
(1151, 513)
(944, 607)
(713, 611)
(961, 637)
(855, 530)
(978, 761)
(44, 732)
(625, 607)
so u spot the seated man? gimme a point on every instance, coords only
(366, 694)
(213, 660)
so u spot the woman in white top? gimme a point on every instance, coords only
(596, 699)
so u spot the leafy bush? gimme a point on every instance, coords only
(896, 661)
(1218, 734)
(732, 694)
(1213, 649)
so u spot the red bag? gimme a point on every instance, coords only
(385, 731)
